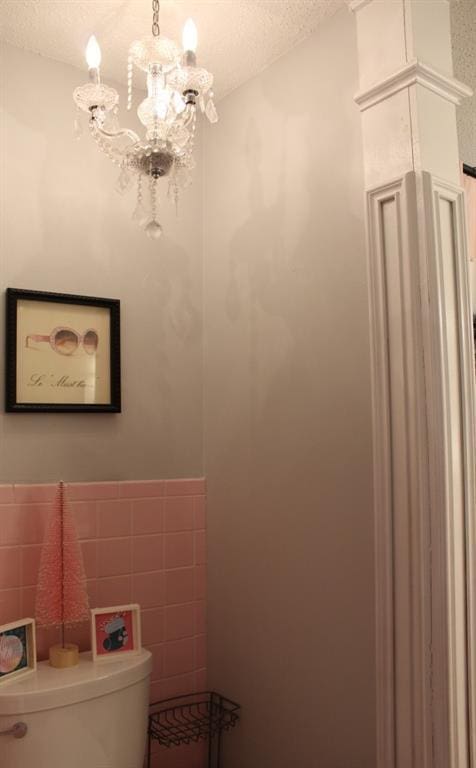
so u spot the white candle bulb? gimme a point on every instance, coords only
(190, 36)
(93, 53)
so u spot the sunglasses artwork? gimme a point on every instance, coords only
(75, 367)
(66, 341)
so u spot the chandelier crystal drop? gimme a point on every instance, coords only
(176, 89)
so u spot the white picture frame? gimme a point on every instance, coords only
(115, 632)
(17, 644)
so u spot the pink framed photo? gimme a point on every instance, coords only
(115, 631)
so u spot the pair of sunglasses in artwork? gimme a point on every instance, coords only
(66, 341)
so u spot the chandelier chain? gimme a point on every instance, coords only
(155, 17)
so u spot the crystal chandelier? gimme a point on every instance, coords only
(175, 88)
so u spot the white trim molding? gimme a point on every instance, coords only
(400, 481)
(449, 365)
(413, 73)
(424, 417)
(356, 5)
(423, 383)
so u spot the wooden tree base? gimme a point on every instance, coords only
(65, 656)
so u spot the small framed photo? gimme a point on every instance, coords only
(17, 649)
(115, 631)
(62, 353)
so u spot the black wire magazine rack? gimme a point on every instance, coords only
(193, 718)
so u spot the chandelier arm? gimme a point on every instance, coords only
(115, 134)
(190, 110)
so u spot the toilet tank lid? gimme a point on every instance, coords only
(48, 688)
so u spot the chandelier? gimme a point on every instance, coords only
(176, 88)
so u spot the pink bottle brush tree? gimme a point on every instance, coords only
(61, 598)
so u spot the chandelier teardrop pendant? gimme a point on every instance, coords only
(176, 90)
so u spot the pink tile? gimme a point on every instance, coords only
(113, 557)
(139, 489)
(179, 586)
(89, 552)
(179, 514)
(30, 563)
(34, 522)
(200, 618)
(178, 657)
(44, 639)
(200, 582)
(80, 634)
(147, 516)
(147, 553)
(91, 491)
(156, 692)
(114, 518)
(10, 605)
(179, 685)
(187, 487)
(201, 680)
(148, 589)
(200, 506)
(178, 550)
(28, 601)
(187, 756)
(152, 625)
(201, 652)
(116, 590)
(200, 548)
(6, 494)
(10, 567)
(179, 621)
(35, 493)
(91, 586)
(85, 516)
(11, 524)
(157, 652)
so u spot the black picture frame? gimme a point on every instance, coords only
(12, 403)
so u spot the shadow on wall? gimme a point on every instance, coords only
(288, 443)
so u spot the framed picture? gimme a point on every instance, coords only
(115, 631)
(62, 353)
(17, 649)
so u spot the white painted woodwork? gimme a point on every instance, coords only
(423, 387)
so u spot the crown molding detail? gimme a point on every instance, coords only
(356, 5)
(413, 73)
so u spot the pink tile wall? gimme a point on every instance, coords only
(142, 542)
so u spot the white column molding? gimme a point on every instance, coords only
(449, 365)
(403, 663)
(423, 387)
(413, 73)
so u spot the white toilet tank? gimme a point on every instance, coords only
(89, 716)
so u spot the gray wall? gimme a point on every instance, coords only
(287, 419)
(64, 228)
(463, 35)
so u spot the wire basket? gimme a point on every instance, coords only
(193, 718)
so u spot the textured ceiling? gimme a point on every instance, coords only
(237, 38)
